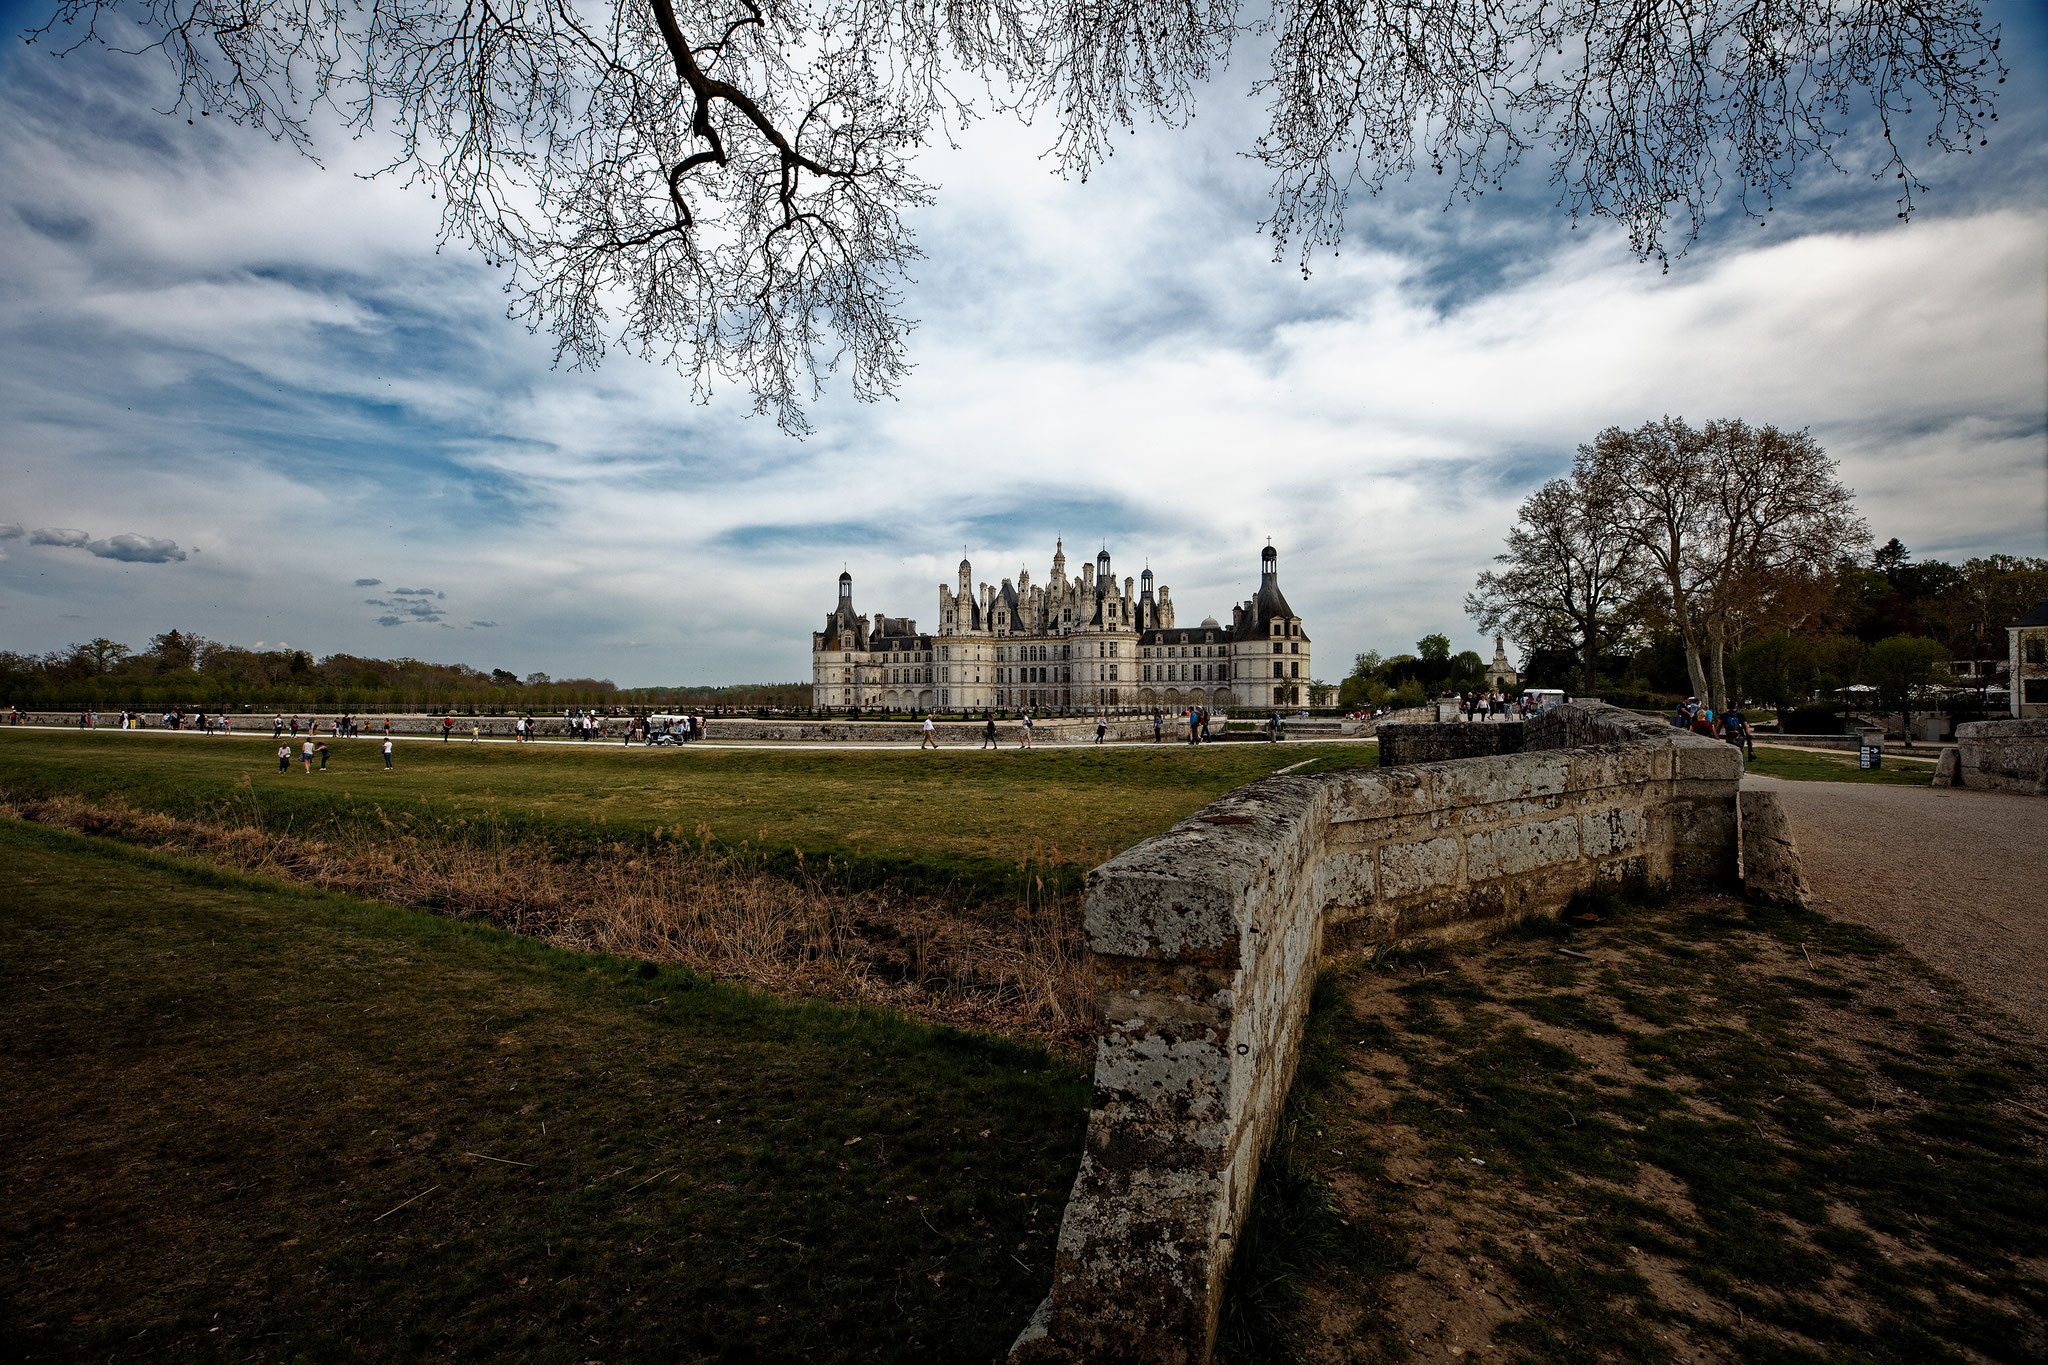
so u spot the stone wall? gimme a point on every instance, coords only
(1438, 741)
(1207, 940)
(2004, 755)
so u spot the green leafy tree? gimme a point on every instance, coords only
(101, 655)
(1902, 669)
(1778, 668)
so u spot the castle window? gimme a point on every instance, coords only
(1294, 649)
(1276, 670)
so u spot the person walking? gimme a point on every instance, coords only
(472, 732)
(1158, 725)
(284, 758)
(1735, 730)
(931, 739)
(1025, 742)
(387, 748)
(1194, 733)
(1101, 726)
(322, 751)
(306, 752)
(988, 734)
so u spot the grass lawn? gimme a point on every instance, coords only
(1692, 1131)
(959, 815)
(1825, 765)
(245, 1121)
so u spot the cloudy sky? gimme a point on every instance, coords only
(244, 395)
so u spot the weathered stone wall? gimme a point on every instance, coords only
(2004, 755)
(1440, 741)
(1207, 940)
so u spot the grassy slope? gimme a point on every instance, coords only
(961, 814)
(216, 1094)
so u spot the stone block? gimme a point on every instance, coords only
(1605, 830)
(1771, 870)
(1410, 869)
(2004, 755)
(1520, 848)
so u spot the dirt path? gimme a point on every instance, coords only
(1959, 877)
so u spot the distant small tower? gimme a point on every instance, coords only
(1501, 676)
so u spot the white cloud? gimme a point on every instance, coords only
(135, 549)
(224, 340)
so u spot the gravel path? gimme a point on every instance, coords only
(1959, 877)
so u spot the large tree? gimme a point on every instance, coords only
(723, 183)
(1740, 526)
(1569, 567)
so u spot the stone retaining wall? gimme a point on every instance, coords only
(1437, 741)
(2004, 755)
(1207, 940)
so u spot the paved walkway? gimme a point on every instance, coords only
(1959, 877)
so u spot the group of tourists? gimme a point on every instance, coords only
(1485, 706)
(337, 727)
(1194, 718)
(1729, 725)
(311, 749)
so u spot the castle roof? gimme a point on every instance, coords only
(2037, 617)
(1206, 633)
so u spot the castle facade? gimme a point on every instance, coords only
(1081, 644)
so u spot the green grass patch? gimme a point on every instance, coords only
(1829, 766)
(245, 1120)
(957, 822)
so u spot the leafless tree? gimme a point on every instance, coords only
(1570, 564)
(722, 184)
(1737, 523)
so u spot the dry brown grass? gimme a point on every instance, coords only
(1016, 968)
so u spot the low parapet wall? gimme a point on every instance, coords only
(2004, 755)
(1438, 741)
(1207, 940)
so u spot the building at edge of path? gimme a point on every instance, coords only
(2027, 670)
(1069, 644)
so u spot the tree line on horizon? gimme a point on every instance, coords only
(1728, 562)
(179, 669)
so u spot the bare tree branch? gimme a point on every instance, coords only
(723, 184)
